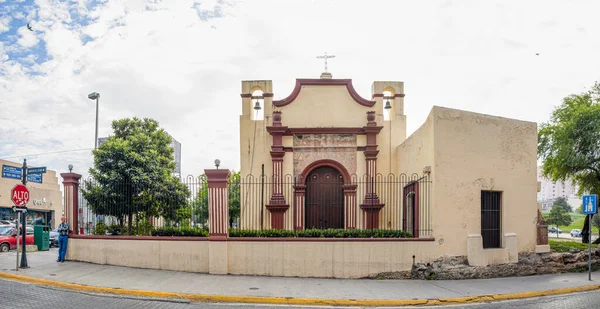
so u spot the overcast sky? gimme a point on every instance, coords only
(182, 62)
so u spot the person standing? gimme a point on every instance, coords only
(63, 239)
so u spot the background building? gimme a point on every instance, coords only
(550, 190)
(45, 202)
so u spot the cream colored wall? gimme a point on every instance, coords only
(342, 259)
(475, 152)
(191, 256)
(48, 189)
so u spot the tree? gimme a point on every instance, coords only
(133, 174)
(562, 202)
(596, 223)
(568, 143)
(200, 203)
(558, 216)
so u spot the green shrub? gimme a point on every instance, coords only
(115, 229)
(100, 228)
(317, 233)
(565, 246)
(180, 231)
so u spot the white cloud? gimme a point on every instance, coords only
(4, 24)
(178, 63)
(27, 38)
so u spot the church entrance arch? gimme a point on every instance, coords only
(324, 199)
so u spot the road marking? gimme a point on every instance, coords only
(296, 301)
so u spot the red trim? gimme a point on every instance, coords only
(252, 239)
(292, 239)
(325, 162)
(267, 95)
(246, 95)
(293, 131)
(324, 82)
(161, 238)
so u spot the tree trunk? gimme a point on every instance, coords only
(129, 224)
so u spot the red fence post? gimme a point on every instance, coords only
(71, 200)
(218, 203)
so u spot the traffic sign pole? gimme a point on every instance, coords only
(590, 208)
(590, 248)
(18, 223)
(24, 223)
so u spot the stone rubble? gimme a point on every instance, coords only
(457, 267)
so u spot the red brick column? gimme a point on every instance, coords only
(371, 204)
(300, 194)
(350, 205)
(71, 201)
(218, 203)
(277, 205)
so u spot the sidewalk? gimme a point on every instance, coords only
(43, 265)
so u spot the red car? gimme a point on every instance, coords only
(8, 238)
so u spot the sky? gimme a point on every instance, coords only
(182, 62)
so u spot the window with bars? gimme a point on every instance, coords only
(491, 214)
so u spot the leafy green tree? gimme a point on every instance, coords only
(200, 203)
(558, 216)
(579, 209)
(596, 222)
(568, 143)
(562, 202)
(133, 174)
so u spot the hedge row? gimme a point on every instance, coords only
(317, 233)
(176, 231)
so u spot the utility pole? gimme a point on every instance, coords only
(24, 222)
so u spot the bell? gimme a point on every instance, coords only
(257, 106)
(388, 105)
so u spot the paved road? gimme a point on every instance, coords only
(25, 296)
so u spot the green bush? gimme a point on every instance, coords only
(180, 231)
(317, 233)
(115, 229)
(565, 246)
(100, 228)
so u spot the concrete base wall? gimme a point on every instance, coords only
(340, 259)
(190, 256)
(478, 256)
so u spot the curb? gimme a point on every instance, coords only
(293, 300)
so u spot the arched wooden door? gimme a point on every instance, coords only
(324, 199)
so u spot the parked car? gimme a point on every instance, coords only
(553, 230)
(7, 222)
(54, 238)
(576, 233)
(8, 239)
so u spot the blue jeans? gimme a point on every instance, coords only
(62, 247)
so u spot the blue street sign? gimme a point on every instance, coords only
(11, 172)
(590, 205)
(37, 178)
(36, 170)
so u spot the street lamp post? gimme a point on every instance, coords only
(95, 96)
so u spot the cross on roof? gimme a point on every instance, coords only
(326, 57)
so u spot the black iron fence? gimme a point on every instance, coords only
(322, 201)
(330, 201)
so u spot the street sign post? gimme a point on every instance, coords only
(590, 208)
(11, 172)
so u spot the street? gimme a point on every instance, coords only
(27, 296)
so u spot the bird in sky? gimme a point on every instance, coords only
(29, 27)
(537, 54)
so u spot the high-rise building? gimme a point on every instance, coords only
(550, 190)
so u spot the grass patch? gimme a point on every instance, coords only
(584, 269)
(565, 246)
(577, 223)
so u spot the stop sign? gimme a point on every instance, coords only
(20, 195)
